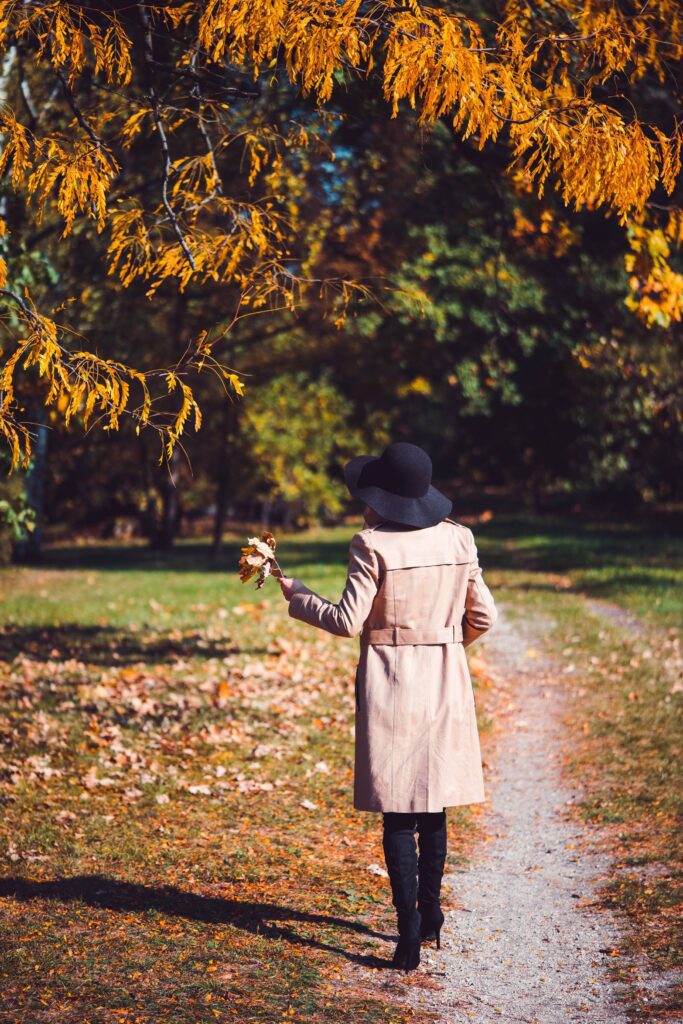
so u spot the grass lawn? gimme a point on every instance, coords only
(178, 838)
(176, 761)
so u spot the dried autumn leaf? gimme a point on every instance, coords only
(258, 559)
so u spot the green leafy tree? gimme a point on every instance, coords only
(297, 432)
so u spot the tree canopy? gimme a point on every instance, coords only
(187, 149)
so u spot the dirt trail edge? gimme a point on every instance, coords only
(525, 944)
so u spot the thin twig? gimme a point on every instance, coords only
(25, 90)
(23, 306)
(83, 121)
(166, 156)
(196, 91)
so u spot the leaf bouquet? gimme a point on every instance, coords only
(258, 559)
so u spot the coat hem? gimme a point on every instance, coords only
(420, 810)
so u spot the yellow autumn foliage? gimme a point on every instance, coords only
(543, 80)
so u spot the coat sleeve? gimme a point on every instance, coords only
(480, 610)
(348, 616)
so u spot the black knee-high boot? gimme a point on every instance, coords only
(400, 855)
(433, 845)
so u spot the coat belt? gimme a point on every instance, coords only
(405, 635)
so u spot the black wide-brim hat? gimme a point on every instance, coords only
(398, 485)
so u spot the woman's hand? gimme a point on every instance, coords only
(288, 585)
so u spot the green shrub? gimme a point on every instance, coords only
(15, 518)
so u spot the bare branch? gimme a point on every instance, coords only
(166, 156)
(196, 92)
(85, 125)
(26, 310)
(25, 92)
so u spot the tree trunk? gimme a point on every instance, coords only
(147, 514)
(30, 547)
(226, 474)
(171, 510)
(222, 492)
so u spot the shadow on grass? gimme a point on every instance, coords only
(565, 545)
(617, 583)
(99, 645)
(194, 556)
(621, 581)
(538, 543)
(258, 918)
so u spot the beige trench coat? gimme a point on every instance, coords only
(417, 597)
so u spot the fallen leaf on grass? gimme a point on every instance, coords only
(224, 692)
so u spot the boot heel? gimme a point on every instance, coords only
(438, 938)
(432, 921)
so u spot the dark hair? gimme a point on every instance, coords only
(389, 522)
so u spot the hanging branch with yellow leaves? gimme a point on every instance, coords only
(82, 383)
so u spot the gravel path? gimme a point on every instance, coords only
(524, 946)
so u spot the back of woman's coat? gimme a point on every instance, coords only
(419, 598)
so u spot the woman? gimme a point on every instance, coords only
(416, 595)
